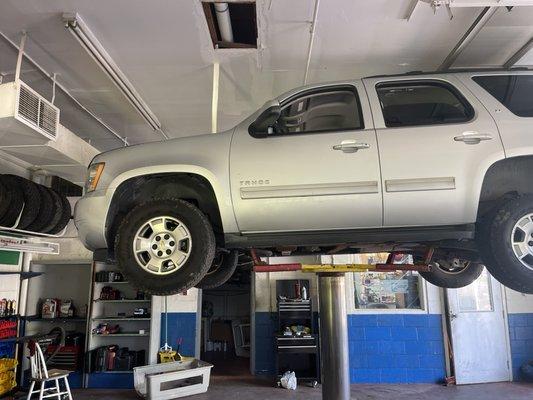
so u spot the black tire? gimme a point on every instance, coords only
(66, 214)
(46, 211)
(15, 202)
(57, 211)
(32, 199)
(445, 276)
(195, 267)
(222, 268)
(494, 241)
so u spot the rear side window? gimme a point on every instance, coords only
(408, 103)
(515, 92)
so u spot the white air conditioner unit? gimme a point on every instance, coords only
(26, 118)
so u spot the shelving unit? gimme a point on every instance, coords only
(115, 312)
(60, 280)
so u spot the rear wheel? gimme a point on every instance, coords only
(165, 246)
(452, 273)
(223, 267)
(506, 243)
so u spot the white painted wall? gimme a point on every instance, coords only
(518, 302)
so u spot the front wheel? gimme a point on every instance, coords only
(165, 246)
(506, 243)
(452, 273)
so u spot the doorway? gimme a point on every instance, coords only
(225, 326)
(479, 332)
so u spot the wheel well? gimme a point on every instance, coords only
(192, 188)
(505, 179)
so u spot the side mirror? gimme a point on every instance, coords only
(259, 128)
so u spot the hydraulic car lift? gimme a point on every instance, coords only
(333, 321)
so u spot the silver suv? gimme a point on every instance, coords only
(387, 163)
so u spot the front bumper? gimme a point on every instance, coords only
(90, 213)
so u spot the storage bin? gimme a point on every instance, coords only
(172, 380)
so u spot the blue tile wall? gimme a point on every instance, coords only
(384, 348)
(180, 325)
(396, 348)
(521, 337)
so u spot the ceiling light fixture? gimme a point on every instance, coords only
(77, 27)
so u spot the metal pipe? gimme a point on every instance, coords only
(467, 38)
(224, 21)
(312, 31)
(333, 337)
(19, 56)
(83, 108)
(519, 54)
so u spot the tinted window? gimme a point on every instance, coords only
(422, 103)
(323, 111)
(514, 91)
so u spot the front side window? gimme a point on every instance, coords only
(387, 290)
(513, 91)
(408, 103)
(321, 110)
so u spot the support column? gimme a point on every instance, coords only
(333, 337)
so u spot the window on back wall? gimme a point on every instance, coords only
(396, 290)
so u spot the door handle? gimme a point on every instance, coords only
(350, 146)
(472, 137)
(452, 315)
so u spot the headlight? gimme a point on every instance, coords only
(93, 176)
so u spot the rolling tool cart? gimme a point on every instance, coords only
(297, 343)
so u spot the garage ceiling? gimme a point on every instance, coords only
(165, 50)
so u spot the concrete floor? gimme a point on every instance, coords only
(257, 389)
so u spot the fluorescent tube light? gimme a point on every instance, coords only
(75, 24)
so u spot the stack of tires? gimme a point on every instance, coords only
(32, 207)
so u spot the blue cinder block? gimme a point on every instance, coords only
(523, 332)
(429, 334)
(420, 375)
(411, 361)
(390, 320)
(393, 375)
(379, 361)
(365, 375)
(437, 347)
(377, 333)
(414, 347)
(404, 333)
(391, 347)
(416, 320)
(371, 347)
(356, 333)
(363, 320)
(431, 361)
(435, 321)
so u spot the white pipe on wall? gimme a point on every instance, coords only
(224, 21)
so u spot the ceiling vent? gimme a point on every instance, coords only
(26, 118)
(232, 25)
(36, 111)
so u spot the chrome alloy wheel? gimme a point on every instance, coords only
(522, 240)
(162, 245)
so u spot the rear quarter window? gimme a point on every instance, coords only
(515, 92)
